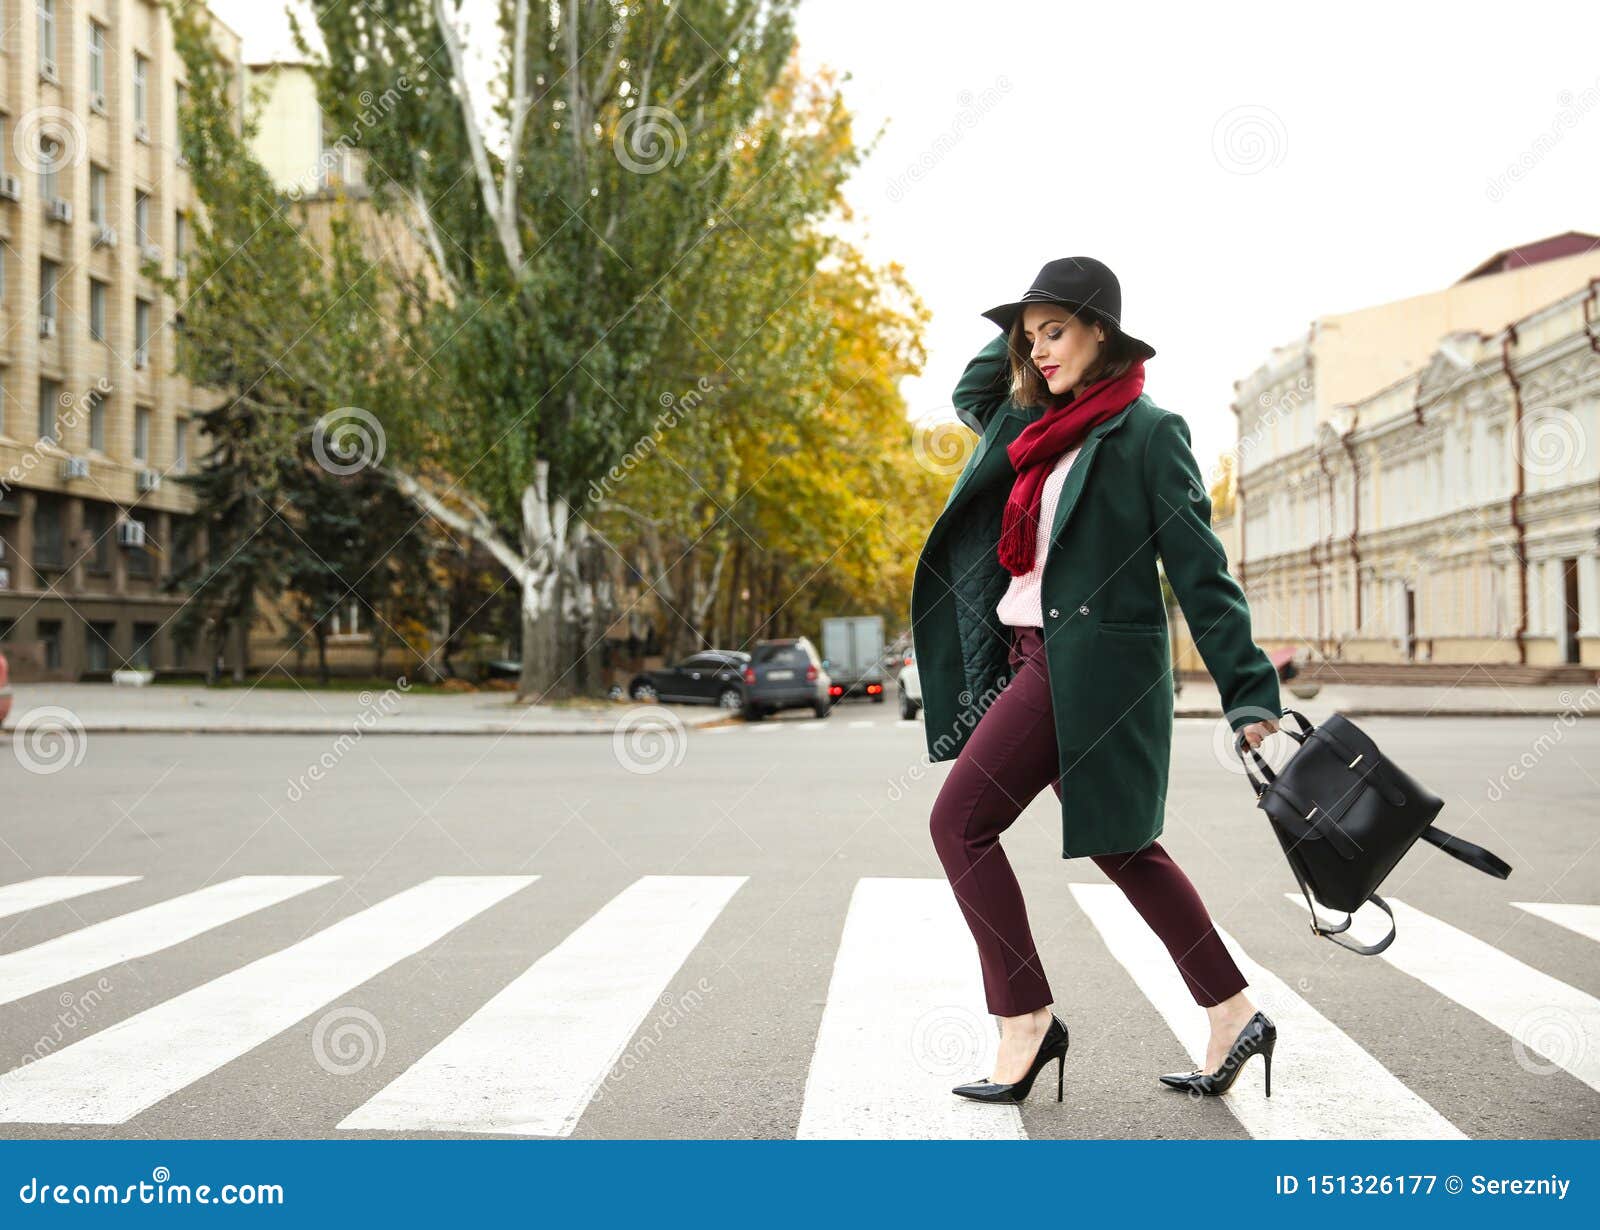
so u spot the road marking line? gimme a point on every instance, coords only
(905, 1019)
(1328, 1085)
(27, 895)
(144, 931)
(862, 722)
(530, 1060)
(1553, 1024)
(126, 1068)
(1584, 919)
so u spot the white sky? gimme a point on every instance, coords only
(1243, 167)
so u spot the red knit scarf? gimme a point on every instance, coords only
(1039, 446)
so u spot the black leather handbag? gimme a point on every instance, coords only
(1345, 814)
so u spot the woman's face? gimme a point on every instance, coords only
(1062, 346)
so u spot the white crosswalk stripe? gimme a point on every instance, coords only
(112, 1075)
(144, 931)
(1584, 919)
(905, 1019)
(1551, 1022)
(27, 895)
(529, 1061)
(1328, 1086)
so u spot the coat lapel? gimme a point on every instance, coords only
(991, 463)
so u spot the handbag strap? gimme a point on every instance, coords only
(1470, 854)
(1335, 934)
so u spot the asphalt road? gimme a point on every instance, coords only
(741, 932)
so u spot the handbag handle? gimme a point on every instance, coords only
(1336, 934)
(1241, 745)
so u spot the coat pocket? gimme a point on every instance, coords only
(1136, 627)
(1130, 683)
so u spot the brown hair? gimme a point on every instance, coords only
(1028, 387)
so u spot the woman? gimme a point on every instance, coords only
(1041, 638)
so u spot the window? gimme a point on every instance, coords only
(141, 217)
(139, 563)
(180, 99)
(97, 194)
(48, 544)
(97, 421)
(97, 65)
(141, 70)
(180, 235)
(50, 151)
(141, 433)
(47, 37)
(97, 309)
(50, 633)
(49, 271)
(180, 445)
(49, 391)
(141, 332)
(98, 646)
(144, 643)
(101, 529)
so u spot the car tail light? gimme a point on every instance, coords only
(836, 690)
(749, 674)
(811, 674)
(874, 688)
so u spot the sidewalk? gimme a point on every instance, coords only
(106, 708)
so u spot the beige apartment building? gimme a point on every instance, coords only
(1420, 481)
(94, 425)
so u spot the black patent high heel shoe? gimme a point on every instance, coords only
(1052, 1046)
(1259, 1035)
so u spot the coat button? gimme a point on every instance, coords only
(1054, 612)
(1083, 610)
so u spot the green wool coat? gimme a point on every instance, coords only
(1133, 493)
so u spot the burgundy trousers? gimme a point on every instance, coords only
(1007, 760)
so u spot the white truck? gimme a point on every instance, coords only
(852, 654)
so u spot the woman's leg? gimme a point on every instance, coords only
(1007, 760)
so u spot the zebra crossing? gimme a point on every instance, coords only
(903, 1018)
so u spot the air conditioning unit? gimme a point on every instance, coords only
(60, 210)
(151, 252)
(75, 467)
(105, 236)
(180, 267)
(141, 357)
(10, 187)
(47, 70)
(148, 480)
(47, 326)
(181, 159)
(98, 102)
(130, 533)
(141, 132)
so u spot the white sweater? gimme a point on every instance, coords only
(1020, 605)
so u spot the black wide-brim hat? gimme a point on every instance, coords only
(1081, 283)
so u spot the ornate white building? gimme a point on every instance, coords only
(1449, 511)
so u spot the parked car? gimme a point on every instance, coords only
(710, 677)
(5, 689)
(785, 674)
(910, 686)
